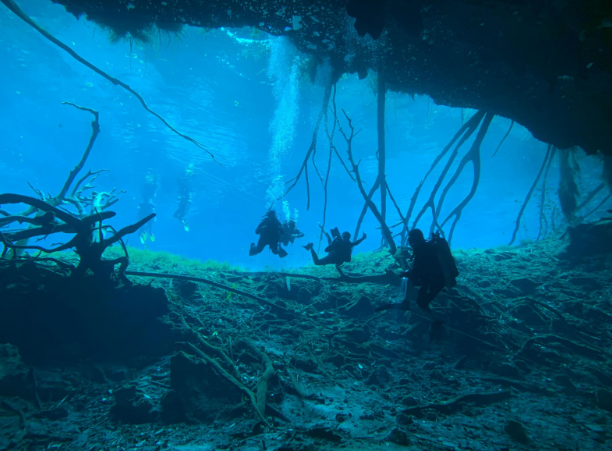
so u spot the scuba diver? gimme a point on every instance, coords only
(185, 197)
(147, 207)
(270, 231)
(338, 251)
(290, 232)
(433, 268)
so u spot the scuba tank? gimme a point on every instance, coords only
(446, 260)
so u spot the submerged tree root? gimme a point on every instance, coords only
(452, 406)
(208, 282)
(586, 351)
(257, 397)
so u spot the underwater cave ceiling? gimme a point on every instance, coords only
(545, 64)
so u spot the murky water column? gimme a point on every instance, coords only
(283, 69)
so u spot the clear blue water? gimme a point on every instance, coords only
(249, 99)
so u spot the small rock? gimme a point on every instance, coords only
(504, 369)
(429, 365)
(604, 399)
(15, 378)
(409, 401)
(51, 385)
(404, 420)
(596, 428)
(172, 408)
(521, 365)
(304, 295)
(323, 433)
(203, 393)
(53, 414)
(585, 282)
(516, 431)
(380, 376)
(360, 335)
(360, 309)
(187, 288)
(133, 406)
(525, 284)
(564, 381)
(342, 417)
(399, 437)
(117, 374)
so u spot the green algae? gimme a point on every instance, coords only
(163, 261)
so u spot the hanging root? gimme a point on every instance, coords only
(464, 133)
(503, 139)
(312, 149)
(543, 222)
(10, 4)
(473, 155)
(371, 205)
(549, 154)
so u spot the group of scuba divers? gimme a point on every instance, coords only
(433, 266)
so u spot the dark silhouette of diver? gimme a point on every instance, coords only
(339, 251)
(146, 207)
(270, 231)
(290, 232)
(433, 268)
(185, 197)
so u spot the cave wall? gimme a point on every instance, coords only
(545, 64)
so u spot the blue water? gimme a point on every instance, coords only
(250, 100)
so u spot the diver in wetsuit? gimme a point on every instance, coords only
(147, 207)
(185, 197)
(426, 271)
(433, 268)
(338, 252)
(269, 230)
(290, 232)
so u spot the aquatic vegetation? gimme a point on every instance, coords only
(164, 261)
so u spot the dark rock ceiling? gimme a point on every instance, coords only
(546, 64)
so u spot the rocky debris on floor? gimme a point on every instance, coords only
(522, 360)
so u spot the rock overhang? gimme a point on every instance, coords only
(545, 64)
